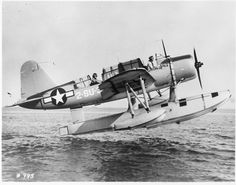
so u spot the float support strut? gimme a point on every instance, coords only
(172, 96)
(144, 94)
(136, 96)
(129, 100)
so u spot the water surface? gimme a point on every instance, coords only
(202, 149)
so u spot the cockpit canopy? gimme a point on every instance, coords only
(121, 67)
(83, 82)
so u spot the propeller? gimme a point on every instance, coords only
(197, 65)
(163, 45)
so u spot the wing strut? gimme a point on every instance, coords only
(172, 96)
(145, 104)
(77, 115)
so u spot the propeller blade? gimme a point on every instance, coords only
(195, 55)
(163, 45)
(199, 77)
(197, 65)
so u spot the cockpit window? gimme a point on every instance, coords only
(109, 72)
(83, 82)
(121, 67)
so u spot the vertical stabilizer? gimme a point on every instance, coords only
(33, 79)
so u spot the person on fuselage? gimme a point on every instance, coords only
(94, 79)
(150, 64)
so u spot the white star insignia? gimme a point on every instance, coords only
(58, 97)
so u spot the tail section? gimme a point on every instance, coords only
(34, 79)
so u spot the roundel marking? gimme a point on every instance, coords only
(58, 96)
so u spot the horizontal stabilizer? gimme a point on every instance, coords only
(33, 100)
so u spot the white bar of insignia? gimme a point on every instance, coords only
(69, 94)
(47, 100)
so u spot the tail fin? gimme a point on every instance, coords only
(33, 79)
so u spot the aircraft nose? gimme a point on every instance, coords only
(184, 67)
(190, 68)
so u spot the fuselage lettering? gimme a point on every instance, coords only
(87, 92)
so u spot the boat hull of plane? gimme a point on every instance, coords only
(121, 121)
(193, 107)
(161, 114)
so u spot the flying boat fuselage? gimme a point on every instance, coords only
(72, 95)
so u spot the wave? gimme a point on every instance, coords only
(191, 151)
(155, 155)
(223, 136)
(7, 137)
(217, 178)
(199, 160)
(223, 150)
(172, 150)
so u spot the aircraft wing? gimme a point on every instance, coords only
(116, 84)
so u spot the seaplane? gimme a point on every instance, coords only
(132, 80)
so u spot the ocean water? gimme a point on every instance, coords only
(202, 149)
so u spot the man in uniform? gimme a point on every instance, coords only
(94, 79)
(150, 64)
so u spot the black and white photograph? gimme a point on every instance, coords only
(118, 91)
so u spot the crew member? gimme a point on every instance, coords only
(94, 79)
(150, 64)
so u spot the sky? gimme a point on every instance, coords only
(81, 38)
